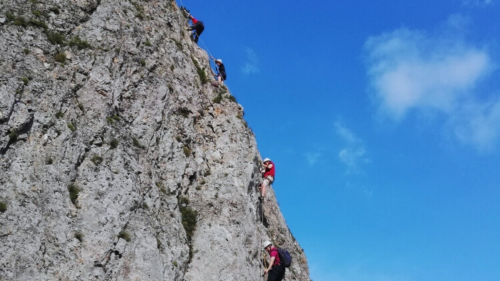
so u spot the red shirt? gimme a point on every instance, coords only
(274, 253)
(194, 20)
(270, 172)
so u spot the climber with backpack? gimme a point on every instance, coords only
(197, 28)
(268, 174)
(280, 260)
(221, 71)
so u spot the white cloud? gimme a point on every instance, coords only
(417, 71)
(312, 158)
(478, 124)
(353, 155)
(252, 64)
(477, 2)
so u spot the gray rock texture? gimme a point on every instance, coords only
(118, 160)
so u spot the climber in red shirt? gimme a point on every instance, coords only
(197, 28)
(275, 271)
(268, 175)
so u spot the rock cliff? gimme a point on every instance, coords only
(118, 159)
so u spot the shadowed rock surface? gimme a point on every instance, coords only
(118, 160)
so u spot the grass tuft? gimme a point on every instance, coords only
(55, 10)
(39, 24)
(20, 21)
(124, 235)
(189, 217)
(25, 80)
(72, 127)
(187, 151)
(10, 16)
(13, 135)
(217, 99)
(200, 71)
(3, 207)
(79, 236)
(114, 143)
(55, 38)
(136, 143)
(79, 43)
(73, 193)
(232, 98)
(96, 159)
(60, 57)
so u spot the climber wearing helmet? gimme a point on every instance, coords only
(275, 271)
(197, 28)
(268, 175)
(221, 71)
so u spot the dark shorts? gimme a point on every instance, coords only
(277, 273)
(199, 27)
(223, 74)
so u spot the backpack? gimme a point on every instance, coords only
(285, 257)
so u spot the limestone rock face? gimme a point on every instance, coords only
(118, 160)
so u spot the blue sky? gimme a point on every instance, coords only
(383, 120)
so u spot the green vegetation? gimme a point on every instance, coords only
(140, 11)
(239, 116)
(72, 127)
(79, 236)
(187, 151)
(136, 143)
(217, 99)
(60, 57)
(55, 38)
(55, 10)
(184, 112)
(20, 21)
(36, 13)
(200, 71)
(158, 243)
(80, 106)
(39, 23)
(145, 206)
(96, 159)
(112, 119)
(178, 44)
(3, 207)
(50, 161)
(79, 43)
(188, 217)
(10, 16)
(143, 62)
(13, 135)
(207, 173)
(147, 43)
(124, 235)
(172, 67)
(26, 51)
(73, 193)
(59, 114)
(114, 143)
(232, 98)
(25, 80)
